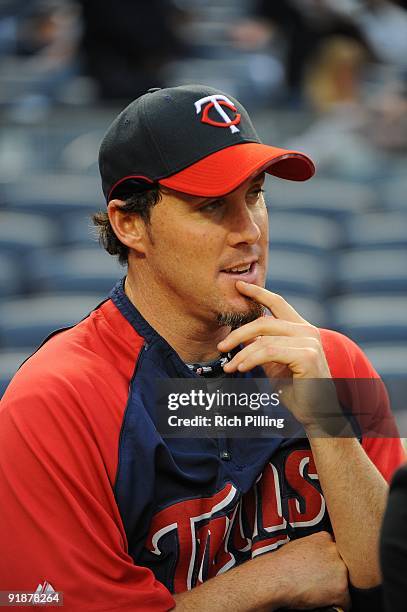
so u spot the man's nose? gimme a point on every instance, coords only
(244, 227)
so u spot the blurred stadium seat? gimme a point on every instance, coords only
(323, 196)
(385, 229)
(372, 270)
(74, 270)
(307, 233)
(370, 318)
(303, 273)
(394, 193)
(23, 231)
(311, 310)
(10, 361)
(11, 281)
(78, 156)
(77, 229)
(390, 361)
(53, 194)
(27, 322)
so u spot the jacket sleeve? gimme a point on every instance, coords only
(59, 522)
(364, 390)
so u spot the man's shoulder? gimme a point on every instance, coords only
(334, 339)
(80, 364)
(345, 358)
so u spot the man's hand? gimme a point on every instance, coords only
(304, 574)
(354, 490)
(316, 575)
(287, 347)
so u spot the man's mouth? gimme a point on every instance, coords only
(244, 271)
(238, 269)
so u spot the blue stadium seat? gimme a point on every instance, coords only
(385, 229)
(10, 361)
(390, 360)
(54, 194)
(321, 196)
(77, 229)
(21, 232)
(11, 277)
(78, 155)
(74, 270)
(379, 318)
(26, 322)
(372, 270)
(394, 193)
(299, 273)
(310, 309)
(304, 232)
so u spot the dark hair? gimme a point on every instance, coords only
(139, 203)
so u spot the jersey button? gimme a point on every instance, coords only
(225, 455)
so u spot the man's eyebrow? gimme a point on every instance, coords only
(197, 201)
(260, 178)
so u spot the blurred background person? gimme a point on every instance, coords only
(126, 45)
(303, 26)
(39, 43)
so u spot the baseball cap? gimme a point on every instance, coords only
(194, 139)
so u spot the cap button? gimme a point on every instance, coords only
(153, 89)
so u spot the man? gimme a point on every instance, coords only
(95, 500)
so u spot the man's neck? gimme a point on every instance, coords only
(195, 341)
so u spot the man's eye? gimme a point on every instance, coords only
(212, 206)
(257, 193)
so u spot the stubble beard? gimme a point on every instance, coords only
(235, 319)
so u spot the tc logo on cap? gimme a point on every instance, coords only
(217, 102)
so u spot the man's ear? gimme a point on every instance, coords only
(130, 228)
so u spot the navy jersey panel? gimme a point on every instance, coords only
(169, 490)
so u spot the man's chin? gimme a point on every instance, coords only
(237, 318)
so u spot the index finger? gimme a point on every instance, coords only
(273, 301)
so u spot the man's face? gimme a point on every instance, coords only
(199, 247)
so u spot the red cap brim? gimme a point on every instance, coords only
(223, 171)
